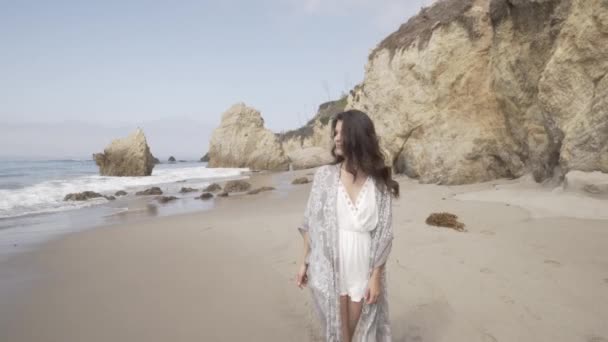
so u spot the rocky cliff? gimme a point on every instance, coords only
(474, 90)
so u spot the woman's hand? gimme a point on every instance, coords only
(301, 277)
(373, 289)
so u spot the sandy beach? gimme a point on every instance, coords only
(532, 266)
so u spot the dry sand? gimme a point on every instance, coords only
(528, 268)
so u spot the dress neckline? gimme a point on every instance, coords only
(354, 206)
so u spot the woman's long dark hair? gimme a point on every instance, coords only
(360, 146)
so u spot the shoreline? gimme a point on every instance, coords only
(24, 233)
(227, 273)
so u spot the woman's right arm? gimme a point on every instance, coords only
(302, 277)
(306, 247)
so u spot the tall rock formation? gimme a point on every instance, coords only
(242, 141)
(128, 156)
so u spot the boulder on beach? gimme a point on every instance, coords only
(82, 196)
(237, 186)
(205, 196)
(213, 187)
(186, 190)
(171, 159)
(120, 193)
(300, 180)
(258, 190)
(205, 158)
(151, 191)
(222, 194)
(165, 199)
(128, 156)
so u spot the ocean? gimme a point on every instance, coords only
(32, 208)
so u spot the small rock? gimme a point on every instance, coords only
(213, 187)
(301, 180)
(258, 190)
(165, 199)
(171, 159)
(152, 191)
(592, 189)
(223, 194)
(185, 190)
(82, 196)
(110, 198)
(205, 158)
(237, 186)
(205, 196)
(120, 193)
(593, 183)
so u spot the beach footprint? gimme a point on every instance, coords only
(533, 314)
(401, 265)
(486, 270)
(507, 299)
(414, 332)
(553, 262)
(595, 338)
(487, 337)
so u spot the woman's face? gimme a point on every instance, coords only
(338, 138)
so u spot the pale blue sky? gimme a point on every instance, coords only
(125, 63)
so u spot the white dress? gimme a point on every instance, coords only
(355, 222)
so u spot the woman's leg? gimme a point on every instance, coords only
(344, 300)
(354, 312)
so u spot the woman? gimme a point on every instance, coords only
(347, 233)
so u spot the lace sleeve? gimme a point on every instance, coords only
(305, 224)
(385, 240)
